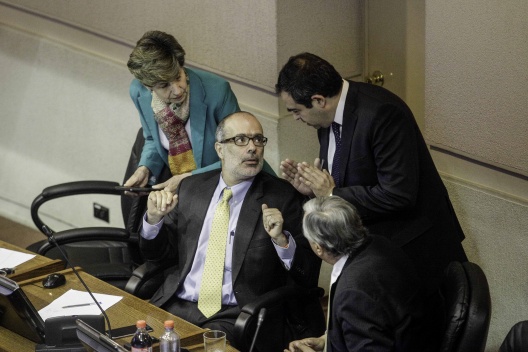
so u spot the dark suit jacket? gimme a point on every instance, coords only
(256, 266)
(388, 174)
(377, 303)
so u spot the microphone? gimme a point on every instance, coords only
(262, 314)
(51, 239)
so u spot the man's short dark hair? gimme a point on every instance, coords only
(307, 74)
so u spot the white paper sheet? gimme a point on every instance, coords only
(10, 259)
(62, 306)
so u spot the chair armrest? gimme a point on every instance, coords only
(80, 187)
(147, 278)
(70, 189)
(248, 316)
(87, 234)
(269, 298)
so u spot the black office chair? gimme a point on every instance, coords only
(467, 303)
(298, 310)
(108, 253)
(517, 338)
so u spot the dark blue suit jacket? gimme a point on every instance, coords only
(388, 174)
(377, 303)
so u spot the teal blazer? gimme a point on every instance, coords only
(211, 100)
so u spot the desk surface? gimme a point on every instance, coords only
(126, 312)
(37, 266)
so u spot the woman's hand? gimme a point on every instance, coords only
(138, 179)
(172, 183)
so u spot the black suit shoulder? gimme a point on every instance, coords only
(377, 295)
(262, 177)
(390, 265)
(372, 95)
(197, 179)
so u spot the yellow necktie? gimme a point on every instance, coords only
(210, 298)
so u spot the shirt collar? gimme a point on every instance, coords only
(338, 118)
(239, 190)
(338, 268)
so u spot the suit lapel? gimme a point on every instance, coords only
(248, 221)
(347, 132)
(331, 296)
(328, 347)
(198, 113)
(145, 101)
(197, 207)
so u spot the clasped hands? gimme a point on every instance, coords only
(159, 204)
(310, 180)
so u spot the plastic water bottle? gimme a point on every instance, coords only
(170, 340)
(141, 341)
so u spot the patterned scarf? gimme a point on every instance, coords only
(171, 119)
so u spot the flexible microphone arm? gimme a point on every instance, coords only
(262, 314)
(51, 239)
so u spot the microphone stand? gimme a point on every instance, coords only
(262, 314)
(48, 232)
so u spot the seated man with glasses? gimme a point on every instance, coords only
(226, 232)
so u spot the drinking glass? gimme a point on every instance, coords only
(214, 341)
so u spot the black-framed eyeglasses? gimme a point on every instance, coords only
(243, 140)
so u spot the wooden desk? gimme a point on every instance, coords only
(126, 312)
(37, 266)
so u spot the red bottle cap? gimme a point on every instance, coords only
(141, 324)
(169, 324)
